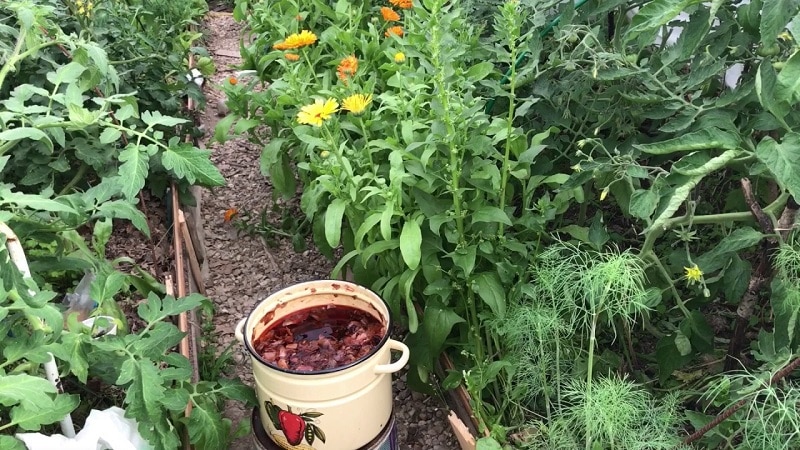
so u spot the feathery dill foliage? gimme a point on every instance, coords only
(787, 261)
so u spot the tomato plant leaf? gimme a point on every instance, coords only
(789, 79)
(775, 14)
(133, 171)
(411, 243)
(783, 160)
(192, 164)
(32, 419)
(11, 443)
(712, 138)
(122, 209)
(207, 428)
(34, 201)
(655, 14)
(28, 391)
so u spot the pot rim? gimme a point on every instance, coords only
(372, 352)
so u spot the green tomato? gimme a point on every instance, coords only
(771, 50)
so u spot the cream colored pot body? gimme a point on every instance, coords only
(348, 406)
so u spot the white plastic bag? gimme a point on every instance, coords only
(104, 430)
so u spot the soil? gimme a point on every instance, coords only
(243, 269)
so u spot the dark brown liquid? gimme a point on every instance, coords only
(319, 338)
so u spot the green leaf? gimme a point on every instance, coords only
(27, 391)
(72, 350)
(643, 203)
(766, 81)
(106, 285)
(270, 154)
(207, 428)
(783, 160)
(480, 71)
(152, 118)
(191, 163)
(223, 127)
(11, 443)
(491, 214)
(333, 221)
(34, 202)
(711, 138)
(677, 196)
(655, 14)
(32, 419)
(683, 344)
(411, 243)
(101, 234)
(156, 309)
(282, 176)
(775, 14)
(739, 239)
(16, 134)
(110, 135)
(789, 79)
(236, 390)
(464, 258)
(134, 169)
(489, 288)
(68, 73)
(122, 209)
(487, 443)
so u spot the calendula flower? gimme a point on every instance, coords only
(399, 57)
(693, 274)
(389, 14)
(233, 81)
(317, 112)
(230, 214)
(395, 30)
(402, 4)
(324, 154)
(297, 40)
(347, 68)
(292, 56)
(356, 103)
(84, 7)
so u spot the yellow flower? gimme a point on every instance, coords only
(347, 68)
(399, 57)
(402, 4)
(356, 103)
(389, 14)
(395, 30)
(297, 40)
(693, 274)
(604, 194)
(292, 56)
(317, 112)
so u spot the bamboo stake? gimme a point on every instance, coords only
(170, 290)
(17, 255)
(194, 263)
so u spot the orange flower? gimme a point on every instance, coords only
(402, 4)
(292, 56)
(347, 68)
(395, 30)
(389, 14)
(233, 80)
(230, 214)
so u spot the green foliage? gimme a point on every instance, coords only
(495, 164)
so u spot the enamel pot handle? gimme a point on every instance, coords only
(239, 331)
(400, 363)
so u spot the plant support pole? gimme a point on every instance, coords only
(17, 255)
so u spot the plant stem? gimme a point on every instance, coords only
(509, 129)
(589, 369)
(664, 274)
(75, 179)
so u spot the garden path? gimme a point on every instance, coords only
(242, 270)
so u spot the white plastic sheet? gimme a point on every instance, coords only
(104, 430)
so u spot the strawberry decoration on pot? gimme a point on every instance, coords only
(295, 427)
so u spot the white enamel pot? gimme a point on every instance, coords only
(336, 409)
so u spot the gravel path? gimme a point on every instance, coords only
(243, 270)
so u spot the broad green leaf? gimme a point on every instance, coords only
(34, 202)
(386, 219)
(643, 203)
(783, 160)
(377, 248)
(16, 134)
(134, 169)
(333, 221)
(192, 164)
(28, 391)
(437, 322)
(32, 419)
(72, 350)
(101, 234)
(491, 214)
(11, 443)
(464, 258)
(157, 341)
(736, 279)
(740, 239)
(282, 176)
(68, 73)
(222, 128)
(411, 243)
(712, 138)
(766, 82)
(775, 14)
(365, 227)
(789, 79)
(480, 71)
(488, 443)
(236, 390)
(106, 285)
(110, 135)
(683, 344)
(702, 337)
(270, 154)
(677, 196)
(207, 428)
(489, 288)
(122, 209)
(655, 14)
(156, 309)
